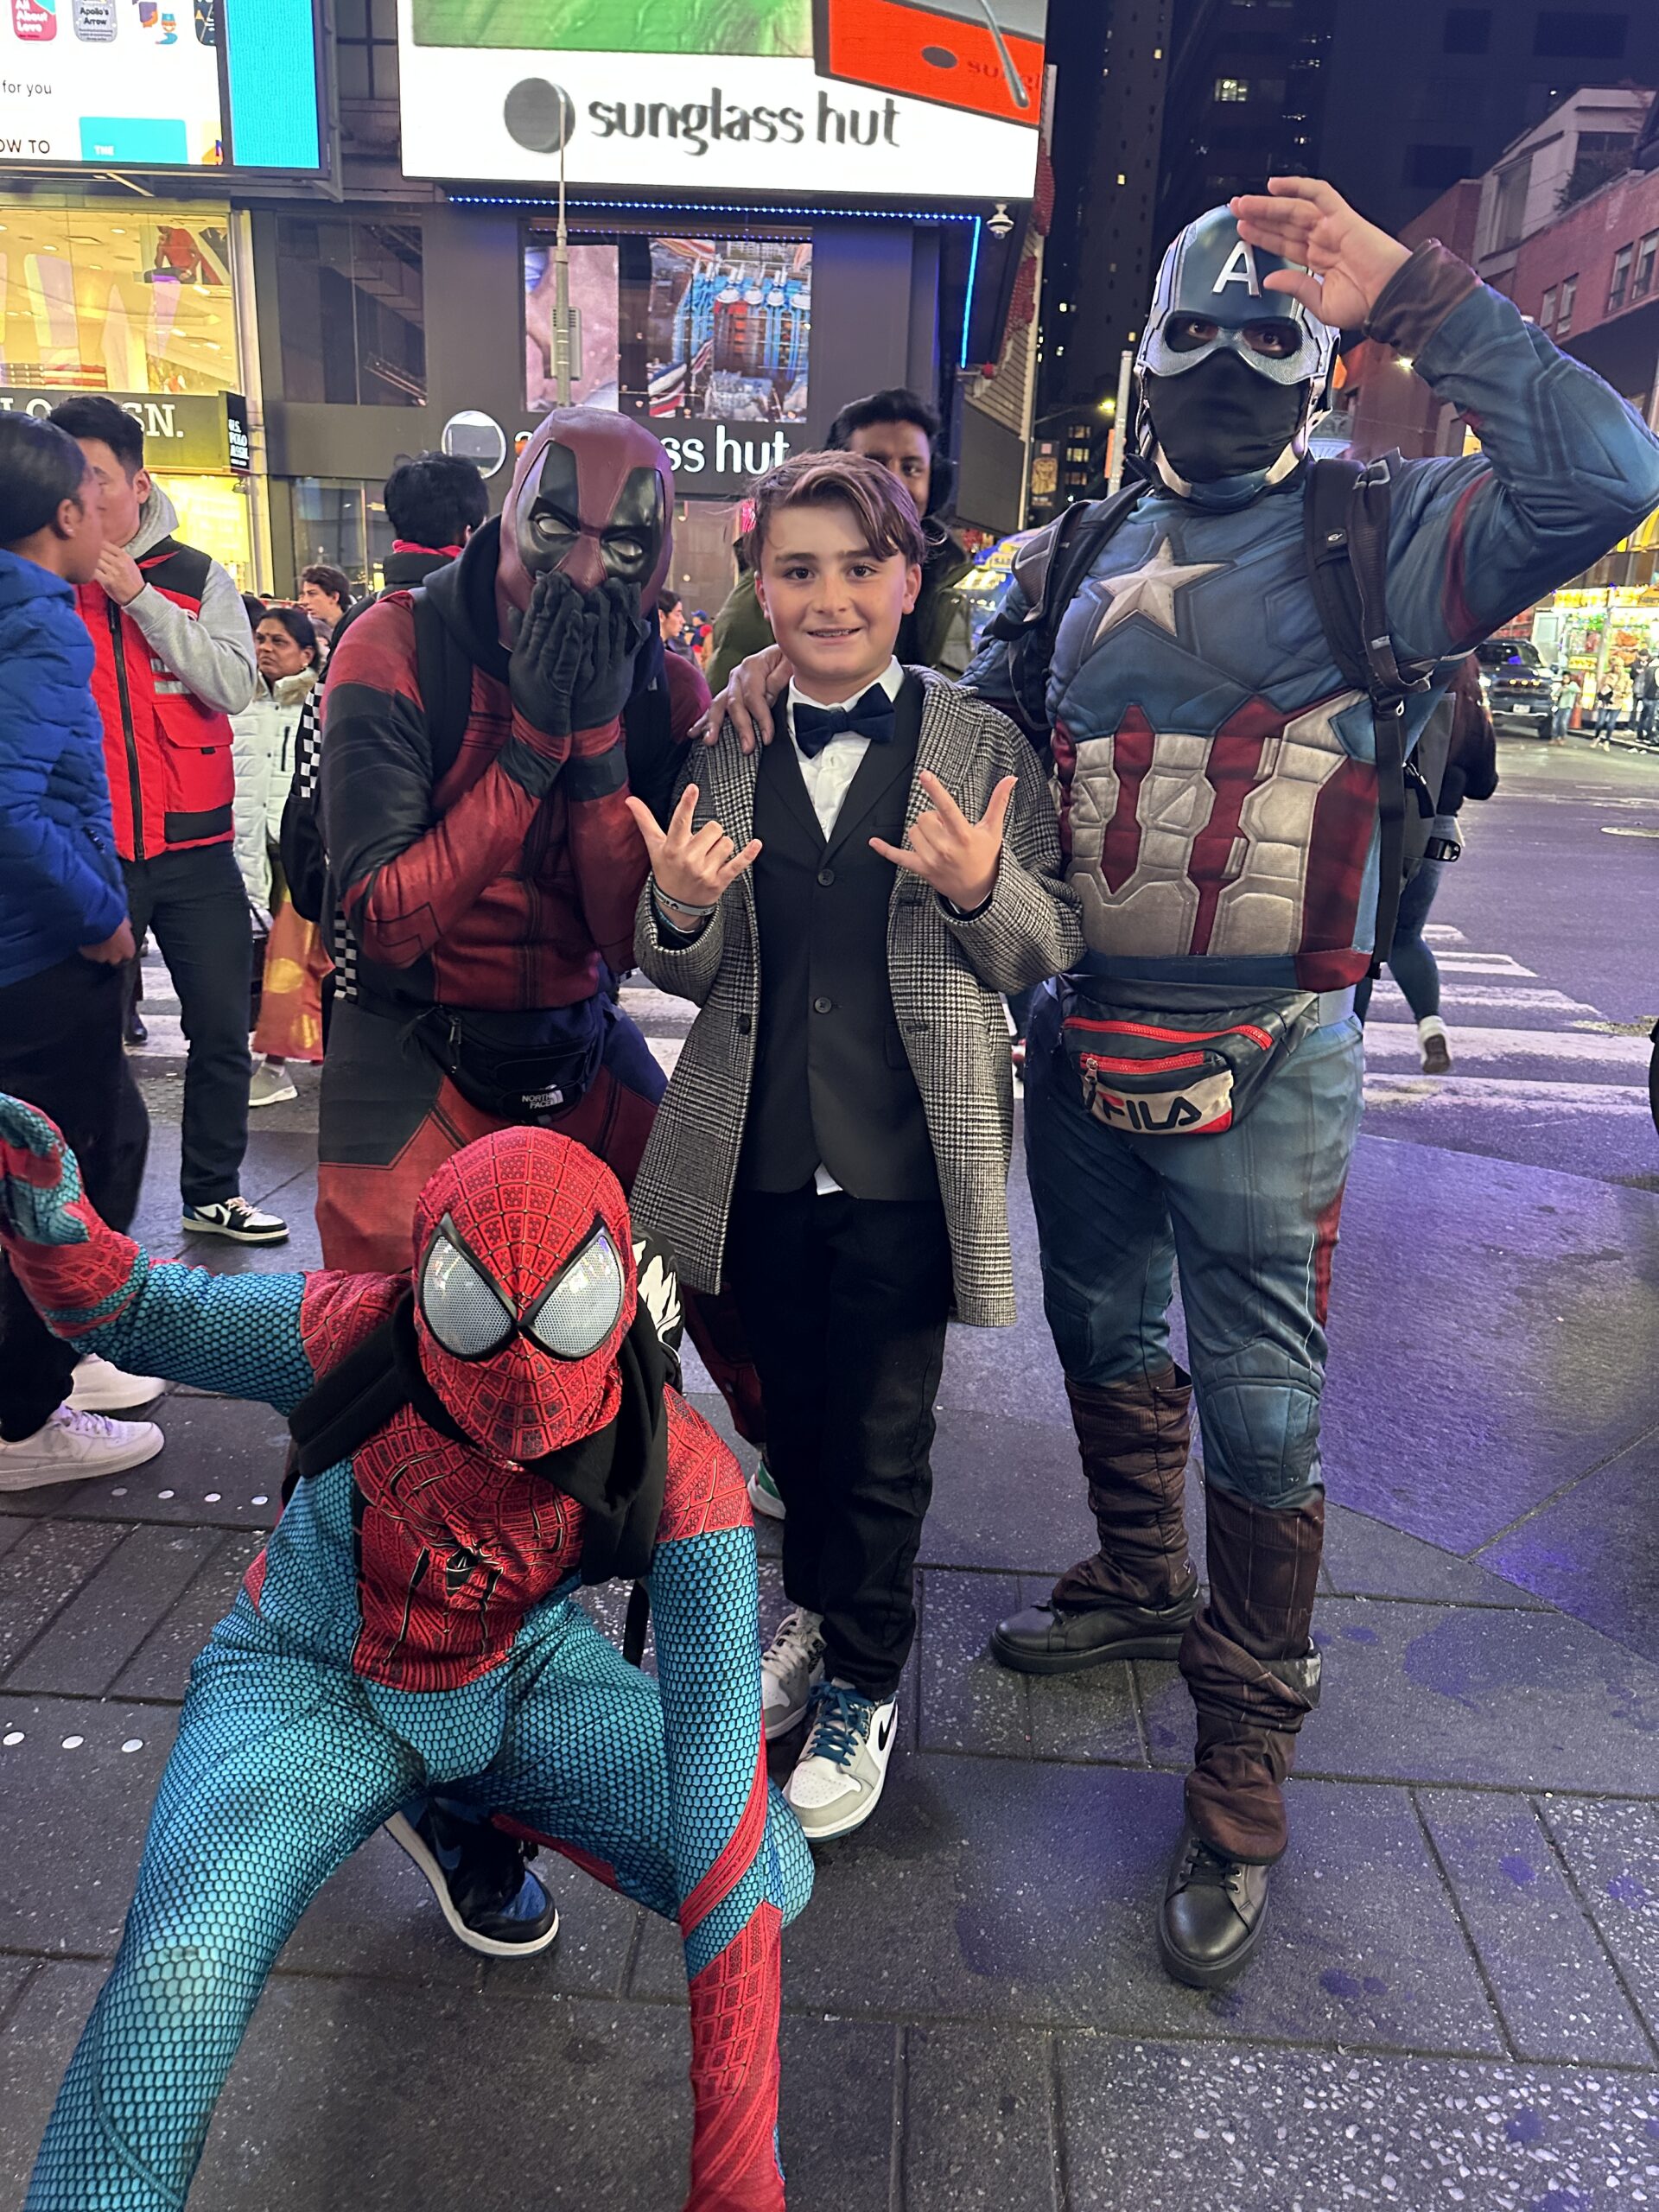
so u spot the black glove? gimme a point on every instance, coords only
(613, 629)
(547, 654)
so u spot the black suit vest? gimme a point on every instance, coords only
(832, 1083)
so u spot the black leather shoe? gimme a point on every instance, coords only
(1048, 1640)
(134, 1031)
(1214, 1910)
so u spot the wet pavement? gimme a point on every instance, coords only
(1458, 2001)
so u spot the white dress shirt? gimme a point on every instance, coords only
(828, 777)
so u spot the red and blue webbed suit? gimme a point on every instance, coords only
(409, 1626)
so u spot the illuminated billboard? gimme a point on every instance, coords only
(911, 98)
(159, 84)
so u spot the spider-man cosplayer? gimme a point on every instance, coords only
(409, 1626)
(481, 736)
(1192, 1089)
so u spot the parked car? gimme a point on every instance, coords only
(1519, 685)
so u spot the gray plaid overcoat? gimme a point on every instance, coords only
(945, 975)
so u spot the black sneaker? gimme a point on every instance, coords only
(134, 1032)
(482, 1882)
(1215, 1908)
(237, 1219)
(1048, 1639)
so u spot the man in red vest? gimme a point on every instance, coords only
(175, 660)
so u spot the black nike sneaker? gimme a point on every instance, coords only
(482, 1881)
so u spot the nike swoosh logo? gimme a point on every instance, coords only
(885, 1735)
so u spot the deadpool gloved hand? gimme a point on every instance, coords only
(542, 673)
(613, 629)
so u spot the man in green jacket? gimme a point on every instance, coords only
(899, 429)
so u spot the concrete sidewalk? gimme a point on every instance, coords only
(1457, 2004)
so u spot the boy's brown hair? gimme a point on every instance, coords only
(884, 509)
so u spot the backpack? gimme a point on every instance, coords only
(1345, 540)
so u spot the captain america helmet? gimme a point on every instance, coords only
(1212, 295)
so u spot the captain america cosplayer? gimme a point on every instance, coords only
(410, 1625)
(1219, 790)
(1193, 1088)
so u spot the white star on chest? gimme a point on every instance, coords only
(1148, 590)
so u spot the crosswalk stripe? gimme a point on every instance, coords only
(1457, 962)
(1506, 1095)
(1520, 1000)
(1443, 933)
(1394, 1040)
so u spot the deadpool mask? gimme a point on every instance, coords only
(591, 497)
(524, 1290)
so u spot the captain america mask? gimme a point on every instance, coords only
(591, 498)
(523, 1290)
(1221, 419)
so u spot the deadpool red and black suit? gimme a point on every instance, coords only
(481, 736)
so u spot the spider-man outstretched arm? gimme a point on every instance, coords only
(238, 1334)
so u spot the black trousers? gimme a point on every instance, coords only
(844, 1303)
(60, 1050)
(195, 905)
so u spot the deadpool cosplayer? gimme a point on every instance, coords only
(480, 735)
(1230, 782)
(477, 1435)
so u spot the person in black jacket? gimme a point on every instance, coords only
(1471, 772)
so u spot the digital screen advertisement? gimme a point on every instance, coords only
(144, 84)
(918, 98)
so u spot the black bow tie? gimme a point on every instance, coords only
(870, 717)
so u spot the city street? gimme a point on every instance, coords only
(1457, 2002)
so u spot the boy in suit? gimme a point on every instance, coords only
(845, 909)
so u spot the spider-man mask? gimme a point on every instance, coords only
(523, 1290)
(592, 496)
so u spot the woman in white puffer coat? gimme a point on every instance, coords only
(291, 664)
(290, 661)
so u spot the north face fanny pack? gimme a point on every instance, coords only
(1143, 1075)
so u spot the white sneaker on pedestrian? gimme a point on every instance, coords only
(269, 1086)
(764, 1495)
(791, 1668)
(102, 1388)
(839, 1776)
(74, 1446)
(237, 1219)
(1434, 1045)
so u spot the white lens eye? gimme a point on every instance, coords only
(578, 1313)
(462, 1309)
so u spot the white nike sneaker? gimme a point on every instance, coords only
(1434, 1045)
(237, 1219)
(791, 1670)
(74, 1446)
(839, 1776)
(102, 1388)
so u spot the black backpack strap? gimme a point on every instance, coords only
(1345, 539)
(637, 1622)
(1049, 569)
(343, 1409)
(445, 677)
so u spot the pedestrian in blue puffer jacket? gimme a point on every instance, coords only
(64, 933)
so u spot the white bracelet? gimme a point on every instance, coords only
(679, 906)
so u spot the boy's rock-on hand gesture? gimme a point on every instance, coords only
(691, 868)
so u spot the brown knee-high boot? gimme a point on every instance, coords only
(1132, 1598)
(1253, 1672)
(1134, 1438)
